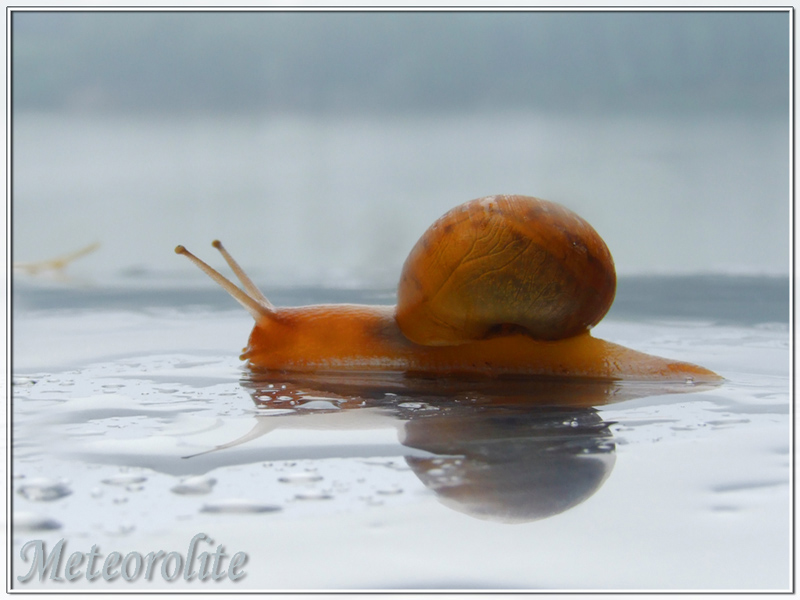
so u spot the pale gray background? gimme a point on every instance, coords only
(319, 146)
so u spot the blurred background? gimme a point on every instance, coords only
(320, 145)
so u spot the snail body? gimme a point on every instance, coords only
(503, 285)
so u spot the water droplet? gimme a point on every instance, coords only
(125, 480)
(202, 484)
(300, 478)
(410, 405)
(120, 500)
(238, 506)
(96, 492)
(28, 521)
(390, 491)
(319, 405)
(44, 490)
(313, 495)
(690, 381)
(380, 463)
(126, 528)
(123, 529)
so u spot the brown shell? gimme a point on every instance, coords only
(502, 264)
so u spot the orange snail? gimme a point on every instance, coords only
(502, 285)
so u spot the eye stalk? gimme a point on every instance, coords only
(256, 303)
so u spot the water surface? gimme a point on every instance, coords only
(135, 428)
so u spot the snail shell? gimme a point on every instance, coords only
(505, 264)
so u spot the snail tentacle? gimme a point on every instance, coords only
(250, 287)
(251, 305)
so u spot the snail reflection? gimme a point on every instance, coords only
(478, 445)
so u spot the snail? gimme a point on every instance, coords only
(498, 286)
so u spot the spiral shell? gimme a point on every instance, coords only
(504, 264)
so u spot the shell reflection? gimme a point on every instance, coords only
(509, 451)
(513, 466)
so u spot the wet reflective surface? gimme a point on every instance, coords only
(355, 482)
